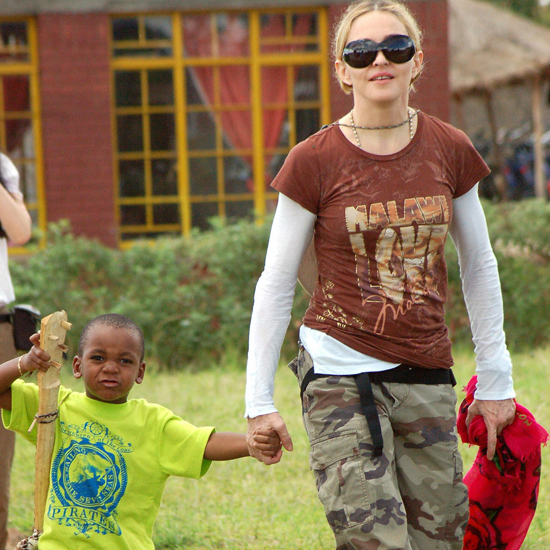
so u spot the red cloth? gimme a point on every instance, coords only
(503, 492)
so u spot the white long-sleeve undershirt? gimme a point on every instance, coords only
(291, 233)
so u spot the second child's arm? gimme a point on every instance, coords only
(229, 445)
(10, 371)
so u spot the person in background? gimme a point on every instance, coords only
(16, 227)
(379, 191)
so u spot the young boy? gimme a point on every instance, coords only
(112, 456)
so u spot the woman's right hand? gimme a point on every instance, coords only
(267, 422)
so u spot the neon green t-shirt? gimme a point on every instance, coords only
(109, 467)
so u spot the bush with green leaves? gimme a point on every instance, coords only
(520, 235)
(193, 296)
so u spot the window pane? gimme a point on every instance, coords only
(201, 131)
(132, 215)
(16, 93)
(237, 176)
(201, 213)
(200, 85)
(240, 209)
(127, 88)
(237, 127)
(307, 123)
(273, 164)
(143, 52)
(132, 178)
(27, 180)
(166, 214)
(289, 33)
(192, 95)
(276, 128)
(197, 36)
(161, 87)
(19, 142)
(203, 176)
(158, 28)
(130, 133)
(304, 24)
(234, 85)
(164, 177)
(273, 24)
(126, 28)
(163, 132)
(233, 34)
(13, 41)
(143, 36)
(306, 86)
(274, 85)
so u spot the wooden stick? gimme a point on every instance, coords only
(52, 337)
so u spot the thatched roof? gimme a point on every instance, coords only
(490, 47)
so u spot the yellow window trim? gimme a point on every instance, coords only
(30, 68)
(177, 62)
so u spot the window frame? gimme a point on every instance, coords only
(256, 60)
(30, 68)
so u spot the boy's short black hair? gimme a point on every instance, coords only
(113, 320)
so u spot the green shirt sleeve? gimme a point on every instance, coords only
(181, 448)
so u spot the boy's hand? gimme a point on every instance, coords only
(267, 422)
(36, 358)
(267, 441)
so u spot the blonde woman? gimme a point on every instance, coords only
(379, 191)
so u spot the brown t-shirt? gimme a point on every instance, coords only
(380, 233)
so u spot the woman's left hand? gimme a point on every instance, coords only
(497, 415)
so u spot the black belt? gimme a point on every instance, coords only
(407, 374)
(404, 374)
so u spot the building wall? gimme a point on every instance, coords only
(74, 70)
(433, 94)
(76, 125)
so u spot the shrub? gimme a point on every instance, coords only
(520, 234)
(71, 273)
(193, 296)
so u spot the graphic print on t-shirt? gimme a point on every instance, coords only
(89, 478)
(409, 248)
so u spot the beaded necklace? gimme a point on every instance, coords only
(409, 119)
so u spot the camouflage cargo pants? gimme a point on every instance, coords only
(410, 498)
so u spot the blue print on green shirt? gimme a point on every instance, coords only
(89, 478)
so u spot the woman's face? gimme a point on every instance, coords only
(381, 81)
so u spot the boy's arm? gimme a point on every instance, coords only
(13, 369)
(228, 445)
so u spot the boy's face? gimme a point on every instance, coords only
(110, 363)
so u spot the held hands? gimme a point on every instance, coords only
(267, 442)
(36, 358)
(496, 415)
(266, 436)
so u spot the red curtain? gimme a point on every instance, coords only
(16, 100)
(234, 81)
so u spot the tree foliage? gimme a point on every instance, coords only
(528, 8)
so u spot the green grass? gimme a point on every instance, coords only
(244, 505)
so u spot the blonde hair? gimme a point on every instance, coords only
(357, 9)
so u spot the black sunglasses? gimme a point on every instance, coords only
(361, 53)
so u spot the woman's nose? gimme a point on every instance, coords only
(380, 58)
